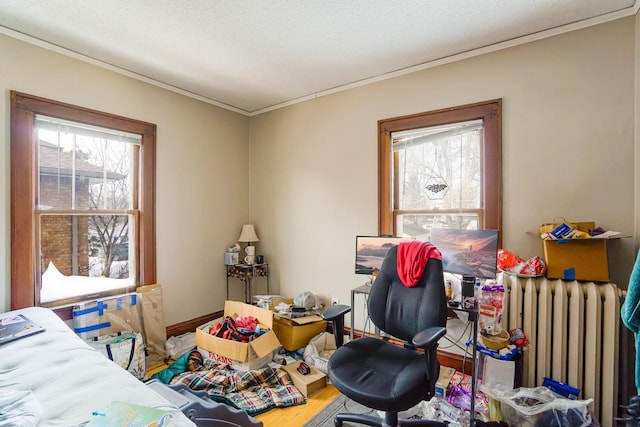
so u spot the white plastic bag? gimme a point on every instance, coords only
(179, 345)
(125, 348)
(539, 406)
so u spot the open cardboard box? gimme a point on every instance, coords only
(576, 259)
(258, 349)
(296, 332)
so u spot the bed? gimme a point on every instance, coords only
(69, 380)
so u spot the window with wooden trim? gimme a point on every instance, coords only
(82, 203)
(440, 169)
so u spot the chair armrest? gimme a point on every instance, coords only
(429, 337)
(335, 311)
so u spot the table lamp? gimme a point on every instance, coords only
(248, 235)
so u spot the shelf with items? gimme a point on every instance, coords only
(247, 273)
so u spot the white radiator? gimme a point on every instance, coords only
(573, 330)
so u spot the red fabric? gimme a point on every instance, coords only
(247, 322)
(412, 259)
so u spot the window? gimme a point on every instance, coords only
(440, 169)
(83, 203)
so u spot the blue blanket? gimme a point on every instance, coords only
(630, 313)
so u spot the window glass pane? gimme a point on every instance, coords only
(420, 225)
(85, 254)
(99, 160)
(439, 169)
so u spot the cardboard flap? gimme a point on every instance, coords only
(266, 344)
(306, 319)
(148, 288)
(265, 317)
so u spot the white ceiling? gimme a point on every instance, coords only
(252, 56)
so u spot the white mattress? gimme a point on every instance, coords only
(69, 378)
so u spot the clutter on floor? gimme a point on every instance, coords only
(180, 344)
(253, 391)
(231, 361)
(200, 409)
(239, 359)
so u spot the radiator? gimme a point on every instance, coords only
(573, 332)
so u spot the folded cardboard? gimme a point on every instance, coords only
(258, 348)
(307, 384)
(577, 259)
(444, 379)
(295, 333)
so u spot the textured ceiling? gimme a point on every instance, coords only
(255, 55)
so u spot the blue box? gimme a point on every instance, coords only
(561, 388)
(563, 231)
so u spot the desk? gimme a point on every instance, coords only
(246, 273)
(363, 290)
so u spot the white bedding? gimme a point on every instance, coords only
(67, 377)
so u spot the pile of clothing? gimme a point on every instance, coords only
(242, 329)
(253, 391)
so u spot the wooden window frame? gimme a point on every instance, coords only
(24, 250)
(490, 112)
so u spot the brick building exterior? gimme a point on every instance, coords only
(62, 236)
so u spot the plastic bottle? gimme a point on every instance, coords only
(448, 289)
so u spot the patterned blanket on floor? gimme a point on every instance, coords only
(253, 391)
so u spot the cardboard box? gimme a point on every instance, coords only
(307, 384)
(577, 259)
(444, 379)
(237, 351)
(295, 333)
(270, 302)
(253, 363)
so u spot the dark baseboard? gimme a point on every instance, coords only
(456, 361)
(192, 325)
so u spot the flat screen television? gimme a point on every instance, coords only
(371, 250)
(467, 252)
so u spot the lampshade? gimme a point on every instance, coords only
(248, 234)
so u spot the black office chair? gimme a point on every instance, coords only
(384, 376)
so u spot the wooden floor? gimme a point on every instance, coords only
(293, 416)
(296, 416)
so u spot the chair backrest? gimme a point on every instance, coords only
(402, 311)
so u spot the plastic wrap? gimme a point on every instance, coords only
(540, 407)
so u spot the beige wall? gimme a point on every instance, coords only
(568, 150)
(202, 184)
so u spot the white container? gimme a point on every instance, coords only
(231, 258)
